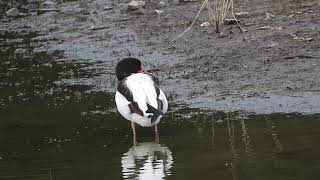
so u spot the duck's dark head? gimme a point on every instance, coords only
(128, 66)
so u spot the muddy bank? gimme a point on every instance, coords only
(272, 67)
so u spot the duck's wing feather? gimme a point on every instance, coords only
(124, 90)
(134, 108)
(156, 113)
(161, 97)
(144, 95)
(154, 79)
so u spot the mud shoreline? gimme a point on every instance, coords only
(273, 67)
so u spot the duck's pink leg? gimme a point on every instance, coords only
(156, 128)
(156, 138)
(133, 126)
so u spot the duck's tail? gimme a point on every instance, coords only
(156, 113)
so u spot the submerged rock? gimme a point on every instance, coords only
(13, 12)
(135, 5)
(20, 51)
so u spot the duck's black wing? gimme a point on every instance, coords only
(134, 107)
(156, 112)
(125, 91)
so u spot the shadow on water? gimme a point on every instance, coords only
(51, 130)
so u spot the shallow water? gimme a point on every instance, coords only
(55, 130)
(100, 146)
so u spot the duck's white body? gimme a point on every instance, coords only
(142, 89)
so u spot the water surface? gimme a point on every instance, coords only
(63, 131)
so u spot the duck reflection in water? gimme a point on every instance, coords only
(147, 161)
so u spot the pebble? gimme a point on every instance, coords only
(269, 16)
(159, 11)
(162, 4)
(242, 14)
(47, 65)
(135, 5)
(31, 7)
(20, 51)
(13, 12)
(48, 4)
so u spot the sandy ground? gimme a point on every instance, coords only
(272, 67)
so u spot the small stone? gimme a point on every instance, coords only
(308, 39)
(205, 24)
(13, 12)
(48, 4)
(22, 14)
(162, 4)
(107, 8)
(20, 51)
(242, 15)
(135, 5)
(49, 65)
(31, 7)
(269, 16)
(159, 11)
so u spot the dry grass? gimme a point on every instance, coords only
(218, 10)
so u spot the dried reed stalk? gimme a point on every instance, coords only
(218, 10)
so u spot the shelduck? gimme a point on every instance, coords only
(139, 98)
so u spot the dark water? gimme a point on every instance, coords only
(51, 130)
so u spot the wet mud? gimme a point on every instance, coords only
(272, 67)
